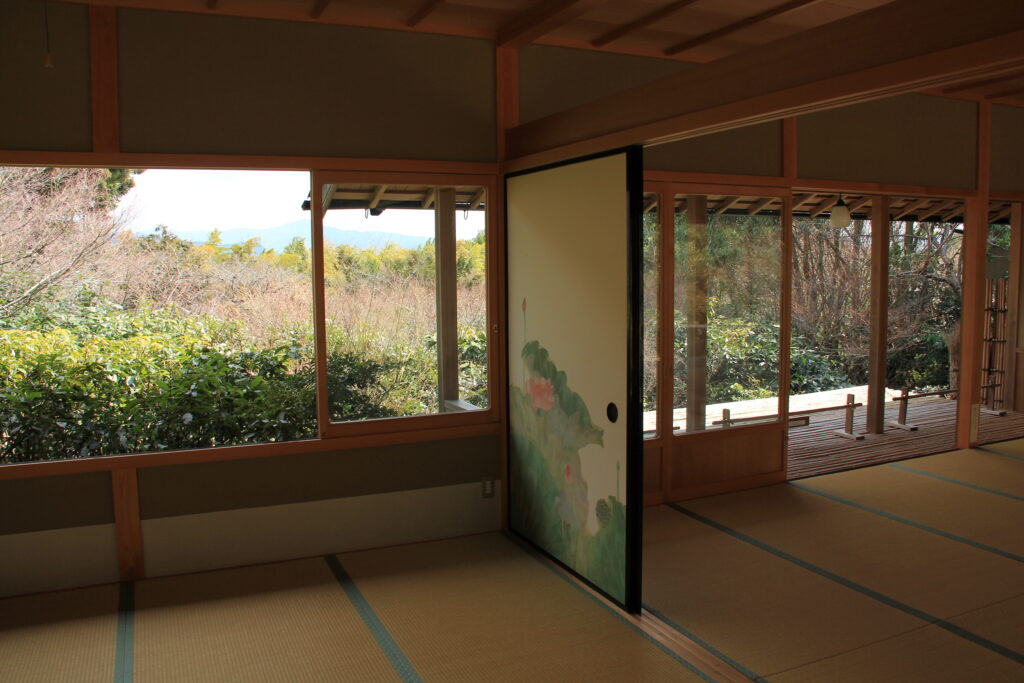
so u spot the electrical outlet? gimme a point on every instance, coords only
(487, 486)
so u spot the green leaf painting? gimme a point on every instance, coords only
(550, 503)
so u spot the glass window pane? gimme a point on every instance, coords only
(153, 310)
(728, 267)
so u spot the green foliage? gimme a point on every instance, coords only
(85, 377)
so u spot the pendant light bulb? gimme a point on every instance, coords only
(840, 216)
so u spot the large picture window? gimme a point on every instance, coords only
(155, 310)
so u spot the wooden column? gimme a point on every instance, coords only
(103, 74)
(972, 317)
(447, 310)
(1013, 301)
(696, 312)
(879, 314)
(323, 399)
(666, 328)
(786, 319)
(125, 488)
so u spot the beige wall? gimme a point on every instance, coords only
(58, 532)
(1007, 148)
(753, 150)
(44, 109)
(910, 139)
(191, 83)
(555, 78)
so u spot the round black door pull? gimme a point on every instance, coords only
(613, 412)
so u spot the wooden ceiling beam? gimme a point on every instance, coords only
(646, 20)
(729, 29)
(542, 18)
(319, 8)
(858, 204)
(823, 206)
(428, 198)
(760, 205)
(973, 85)
(1000, 214)
(813, 71)
(726, 204)
(327, 197)
(911, 208)
(422, 12)
(650, 203)
(1005, 93)
(801, 199)
(941, 207)
(478, 198)
(378, 194)
(956, 211)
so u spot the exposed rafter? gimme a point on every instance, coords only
(428, 198)
(646, 20)
(858, 204)
(328, 196)
(319, 8)
(378, 194)
(424, 11)
(955, 212)
(911, 208)
(941, 208)
(729, 29)
(478, 198)
(650, 203)
(726, 204)
(542, 18)
(823, 206)
(801, 199)
(760, 205)
(1000, 214)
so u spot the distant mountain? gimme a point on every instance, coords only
(277, 238)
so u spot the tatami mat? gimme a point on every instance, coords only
(925, 655)
(1014, 447)
(975, 468)
(482, 609)
(923, 570)
(1002, 622)
(64, 636)
(763, 613)
(982, 517)
(279, 622)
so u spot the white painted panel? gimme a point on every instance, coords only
(213, 540)
(56, 559)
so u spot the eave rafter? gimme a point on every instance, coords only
(729, 29)
(542, 18)
(422, 12)
(646, 20)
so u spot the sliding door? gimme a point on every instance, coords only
(575, 453)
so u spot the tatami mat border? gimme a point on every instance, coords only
(544, 562)
(403, 667)
(124, 650)
(909, 522)
(957, 482)
(990, 448)
(852, 585)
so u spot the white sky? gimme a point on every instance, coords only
(204, 200)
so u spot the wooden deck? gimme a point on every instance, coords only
(814, 449)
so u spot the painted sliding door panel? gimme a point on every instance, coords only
(571, 339)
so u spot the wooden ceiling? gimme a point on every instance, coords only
(1006, 89)
(687, 30)
(819, 204)
(377, 198)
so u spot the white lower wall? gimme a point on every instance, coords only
(38, 561)
(213, 540)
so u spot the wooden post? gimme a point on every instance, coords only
(666, 328)
(106, 136)
(696, 312)
(847, 431)
(879, 314)
(323, 399)
(447, 310)
(125, 489)
(1013, 300)
(972, 317)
